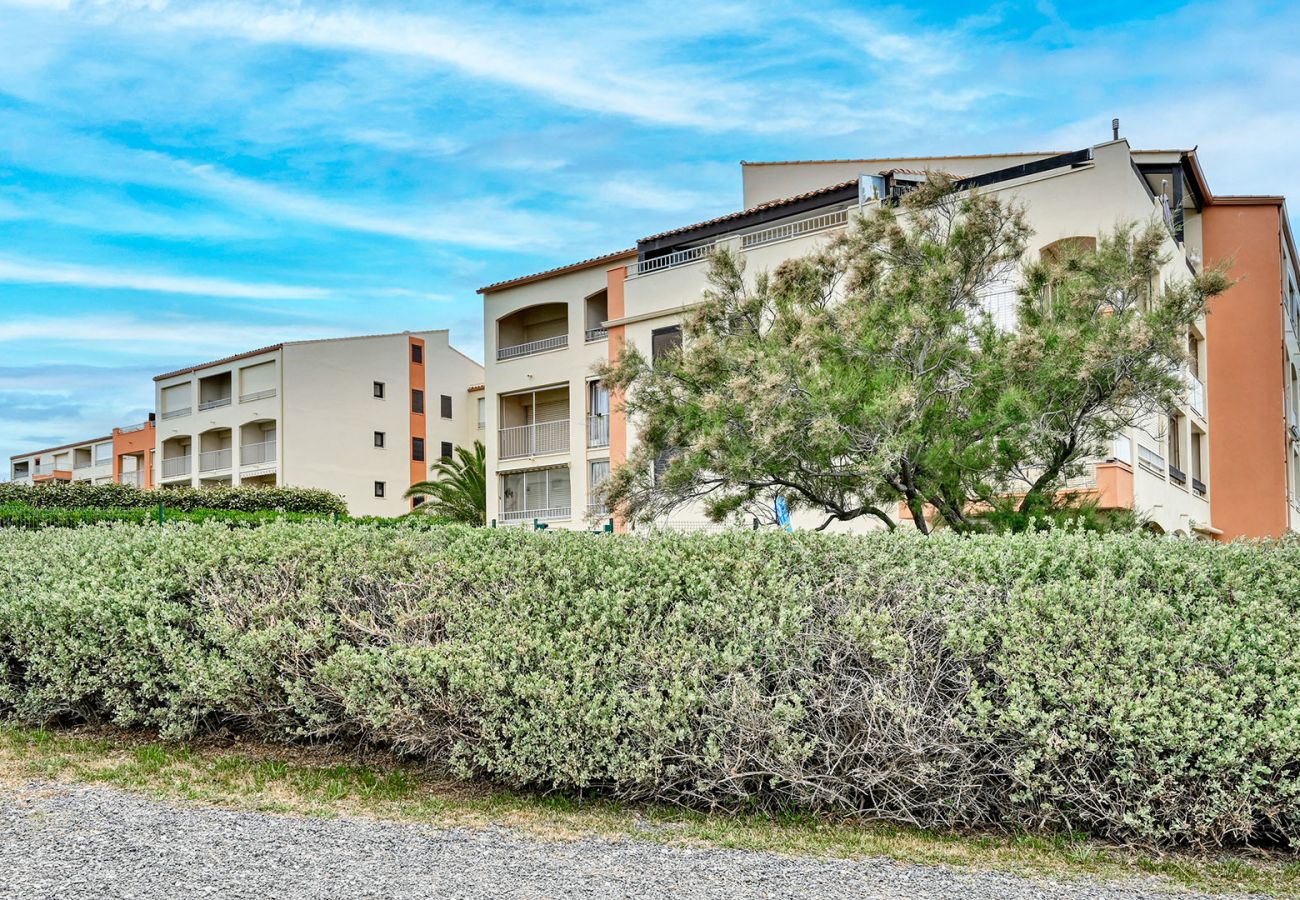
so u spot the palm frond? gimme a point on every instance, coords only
(458, 490)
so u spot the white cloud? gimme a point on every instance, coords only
(40, 272)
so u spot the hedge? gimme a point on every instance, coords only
(83, 495)
(1143, 690)
(19, 515)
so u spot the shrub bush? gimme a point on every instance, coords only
(83, 495)
(1133, 688)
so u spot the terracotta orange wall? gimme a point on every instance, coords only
(128, 443)
(617, 338)
(419, 470)
(1245, 356)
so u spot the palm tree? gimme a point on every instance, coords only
(459, 491)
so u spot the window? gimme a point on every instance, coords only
(663, 340)
(482, 412)
(417, 354)
(417, 501)
(417, 449)
(445, 402)
(1174, 443)
(379, 489)
(103, 453)
(379, 439)
(379, 390)
(597, 473)
(417, 401)
(446, 450)
(540, 494)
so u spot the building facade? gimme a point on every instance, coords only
(364, 417)
(554, 435)
(123, 457)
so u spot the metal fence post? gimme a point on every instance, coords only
(161, 515)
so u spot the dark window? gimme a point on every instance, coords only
(379, 439)
(417, 449)
(379, 489)
(417, 401)
(417, 354)
(417, 501)
(446, 405)
(379, 389)
(663, 340)
(446, 449)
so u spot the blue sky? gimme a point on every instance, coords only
(179, 181)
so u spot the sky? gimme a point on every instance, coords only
(180, 181)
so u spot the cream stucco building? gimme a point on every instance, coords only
(363, 417)
(554, 436)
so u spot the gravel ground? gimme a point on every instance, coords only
(72, 842)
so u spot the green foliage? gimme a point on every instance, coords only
(459, 493)
(83, 495)
(1114, 684)
(870, 373)
(20, 515)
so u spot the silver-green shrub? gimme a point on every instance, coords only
(1136, 688)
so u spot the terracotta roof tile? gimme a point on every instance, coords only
(771, 204)
(571, 267)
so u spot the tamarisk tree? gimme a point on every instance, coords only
(870, 373)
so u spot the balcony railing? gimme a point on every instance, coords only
(50, 469)
(598, 431)
(134, 479)
(1151, 460)
(795, 229)
(214, 460)
(534, 440)
(669, 261)
(257, 395)
(1199, 487)
(23, 478)
(257, 454)
(597, 334)
(139, 426)
(1177, 475)
(597, 508)
(1195, 393)
(175, 466)
(557, 342)
(83, 464)
(214, 404)
(176, 413)
(542, 515)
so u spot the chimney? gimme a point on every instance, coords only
(1114, 129)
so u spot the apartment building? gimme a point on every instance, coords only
(554, 435)
(364, 417)
(123, 457)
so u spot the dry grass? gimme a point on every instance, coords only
(325, 782)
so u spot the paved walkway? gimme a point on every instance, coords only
(80, 842)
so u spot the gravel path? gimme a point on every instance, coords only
(63, 842)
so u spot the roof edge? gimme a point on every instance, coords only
(558, 270)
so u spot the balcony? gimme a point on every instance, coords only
(257, 395)
(214, 460)
(177, 413)
(669, 261)
(541, 515)
(176, 466)
(534, 440)
(557, 342)
(597, 334)
(1195, 393)
(257, 454)
(134, 479)
(598, 431)
(214, 403)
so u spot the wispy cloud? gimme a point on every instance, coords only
(41, 272)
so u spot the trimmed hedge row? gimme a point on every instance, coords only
(83, 495)
(1133, 688)
(19, 515)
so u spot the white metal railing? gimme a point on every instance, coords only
(1152, 460)
(175, 466)
(530, 347)
(597, 334)
(256, 395)
(598, 431)
(84, 464)
(22, 479)
(597, 508)
(134, 479)
(214, 460)
(1195, 393)
(532, 440)
(253, 454)
(527, 515)
(669, 261)
(139, 426)
(213, 404)
(174, 413)
(795, 229)
(49, 469)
